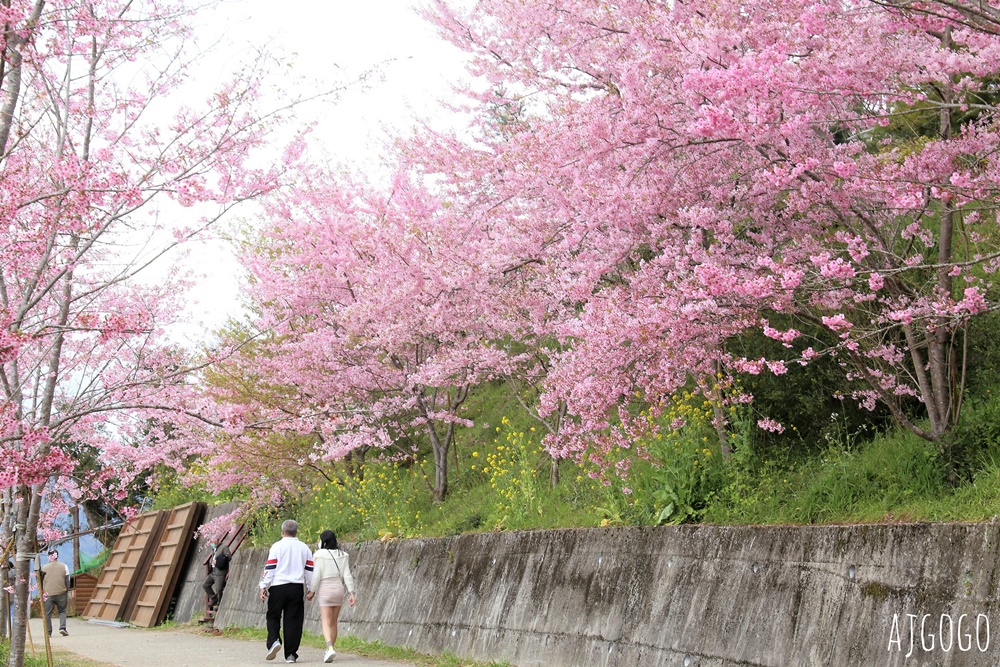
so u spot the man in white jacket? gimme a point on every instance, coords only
(286, 579)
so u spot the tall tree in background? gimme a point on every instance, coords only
(383, 322)
(90, 141)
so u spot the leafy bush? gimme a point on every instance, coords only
(977, 437)
(803, 398)
(984, 351)
(686, 461)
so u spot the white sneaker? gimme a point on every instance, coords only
(290, 658)
(273, 651)
(329, 655)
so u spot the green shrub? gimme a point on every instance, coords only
(803, 398)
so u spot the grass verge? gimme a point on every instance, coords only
(60, 658)
(375, 649)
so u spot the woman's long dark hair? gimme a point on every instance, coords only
(328, 540)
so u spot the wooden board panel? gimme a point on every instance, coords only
(168, 556)
(125, 567)
(83, 591)
(191, 597)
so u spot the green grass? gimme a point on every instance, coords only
(893, 477)
(60, 658)
(374, 649)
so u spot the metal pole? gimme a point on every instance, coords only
(72, 536)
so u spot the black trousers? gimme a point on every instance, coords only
(287, 600)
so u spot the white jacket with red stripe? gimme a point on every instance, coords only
(288, 562)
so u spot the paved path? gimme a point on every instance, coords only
(135, 647)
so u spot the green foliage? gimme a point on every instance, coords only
(883, 479)
(172, 490)
(984, 353)
(263, 523)
(803, 398)
(889, 473)
(37, 658)
(921, 120)
(387, 501)
(621, 488)
(979, 429)
(685, 469)
(835, 467)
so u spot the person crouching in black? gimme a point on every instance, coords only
(218, 570)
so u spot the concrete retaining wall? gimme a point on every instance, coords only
(705, 596)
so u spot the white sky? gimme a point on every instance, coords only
(327, 41)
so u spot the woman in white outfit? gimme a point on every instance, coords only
(331, 579)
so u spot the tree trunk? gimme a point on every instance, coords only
(440, 466)
(25, 545)
(26, 539)
(940, 340)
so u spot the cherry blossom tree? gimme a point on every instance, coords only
(103, 171)
(640, 186)
(270, 448)
(686, 168)
(382, 323)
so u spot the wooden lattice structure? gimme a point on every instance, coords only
(128, 561)
(154, 593)
(141, 573)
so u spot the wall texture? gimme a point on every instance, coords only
(706, 596)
